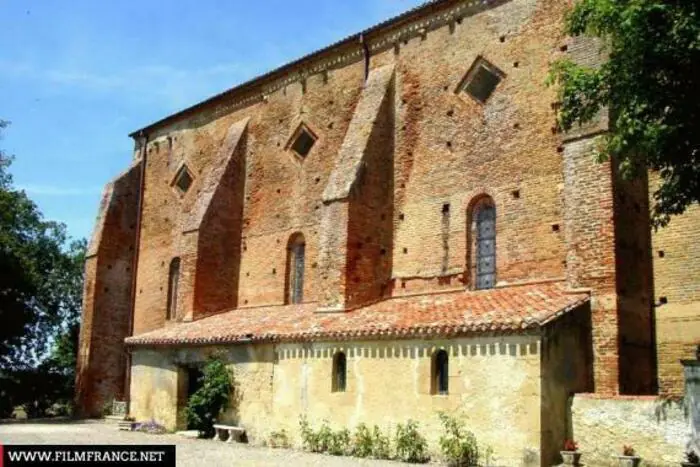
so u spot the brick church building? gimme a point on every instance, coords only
(386, 228)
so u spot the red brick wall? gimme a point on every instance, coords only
(608, 245)
(676, 258)
(448, 149)
(218, 250)
(555, 205)
(590, 236)
(370, 217)
(100, 375)
(634, 286)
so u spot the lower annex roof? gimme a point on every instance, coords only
(504, 310)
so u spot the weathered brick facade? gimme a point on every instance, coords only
(107, 303)
(385, 197)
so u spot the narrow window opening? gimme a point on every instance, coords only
(440, 373)
(484, 246)
(339, 372)
(295, 265)
(173, 279)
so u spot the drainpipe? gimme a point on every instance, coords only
(135, 264)
(366, 54)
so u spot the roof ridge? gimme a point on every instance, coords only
(430, 6)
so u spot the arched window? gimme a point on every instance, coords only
(295, 269)
(173, 279)
(484, 244)
(340, 370)
(440, 373)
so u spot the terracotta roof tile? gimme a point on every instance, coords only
(509, 309)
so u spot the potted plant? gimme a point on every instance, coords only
(691, 459)
(570, 453)
(629, 457)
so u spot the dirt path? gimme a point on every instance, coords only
(190, 452)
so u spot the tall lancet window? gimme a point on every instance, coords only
(484, 245)
(173, 279)
(296, 251)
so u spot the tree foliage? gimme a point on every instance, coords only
(40, 300)
(651, 83)
(207, 402)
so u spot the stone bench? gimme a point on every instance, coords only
(229, 433)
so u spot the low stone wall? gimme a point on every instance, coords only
(657, 430)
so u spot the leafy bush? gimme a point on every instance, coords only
(107, 408)
(325, 439)
(381, 446)
(205, 405)
(370, 443)
(411, 446)
(362, 441)
(458, 445)
(279, 439)
(309, 437)
(339, 443)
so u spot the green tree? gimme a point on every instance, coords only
(213, 396)
(650, 81)
(40, 298)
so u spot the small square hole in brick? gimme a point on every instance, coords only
(516, 194)
(482, 80)
(446, 208)
(555, 228)
(405, 251)
(303, 143)
(183, 179)
(663, 300)
(662, 254)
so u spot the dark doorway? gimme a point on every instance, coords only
(190, 379)
(195, 378)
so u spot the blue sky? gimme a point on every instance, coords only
(77, 76)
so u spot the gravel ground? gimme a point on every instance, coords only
(190, 452)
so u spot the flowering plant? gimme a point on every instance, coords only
(570, 445)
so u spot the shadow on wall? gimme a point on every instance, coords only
(567, 369)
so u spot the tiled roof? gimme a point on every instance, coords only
(502, 310)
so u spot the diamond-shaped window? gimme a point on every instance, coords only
(481, 80)
(302, 141)
(183, 179)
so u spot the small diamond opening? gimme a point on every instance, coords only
(482, 80)
(183, 180)
(303, 142)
